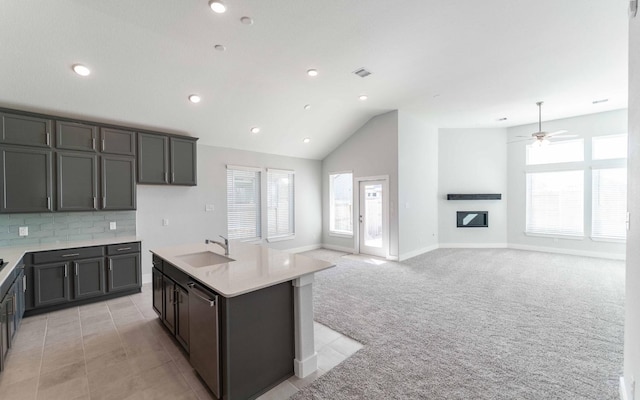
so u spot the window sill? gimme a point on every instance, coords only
(342, 235)
(608, 240)
(281, 238)
(554, 236)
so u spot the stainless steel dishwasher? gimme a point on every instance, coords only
(204, 338)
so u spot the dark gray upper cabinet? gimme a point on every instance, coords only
(25, 130)
(77, 182)
(76, 136)
(117, 141)
(153, 158)
(118, 177)
(26, 180)
(183, 161)
(89, 278)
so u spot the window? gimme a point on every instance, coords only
(341, 203)
(243, 202)
(555, 152)
(609, 209)
(555, 203)
(609, 147)
(280, 202)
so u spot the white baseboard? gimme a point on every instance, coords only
(597, 254)
(146, 278)
(473, 245)
(623, 389)
(338, 248)
(415, 253)
(303, 248)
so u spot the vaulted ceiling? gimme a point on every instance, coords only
(454, 63)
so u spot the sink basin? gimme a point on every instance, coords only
(204, 258)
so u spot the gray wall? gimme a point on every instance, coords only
(371, 151)
(65, 226)
(473, 161)
(632, 321)
(417, 185)
(587, 126)
(184, 207)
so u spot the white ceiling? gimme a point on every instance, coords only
(455, 63)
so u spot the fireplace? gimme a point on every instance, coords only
(472, 219)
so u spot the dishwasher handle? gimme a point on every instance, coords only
(203, 296)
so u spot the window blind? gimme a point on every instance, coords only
(243, 203)
(555, 203)
(280, 203)
(341, 203)
(609, 208)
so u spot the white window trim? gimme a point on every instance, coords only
(244, 168)
(555, 236)
(289, 236)
(337, 233)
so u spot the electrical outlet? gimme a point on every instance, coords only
(165, 222)
(112, 225)
(23, 231)
(208, 207)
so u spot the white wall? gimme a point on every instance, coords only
(632, 320)
(371, 151)
(417, 186)
(184, 207)
(587, 126)
(472, 161)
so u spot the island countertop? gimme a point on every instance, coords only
(252, 267)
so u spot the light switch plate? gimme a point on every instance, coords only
(112, 225)
(23, 231)
(165, 222)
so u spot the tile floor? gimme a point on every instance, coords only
(118, 349)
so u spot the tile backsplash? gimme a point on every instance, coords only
(65, 226)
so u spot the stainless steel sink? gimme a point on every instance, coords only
(204, 259)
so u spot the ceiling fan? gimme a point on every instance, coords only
(541, 138)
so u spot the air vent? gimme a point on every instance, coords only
(362, 73)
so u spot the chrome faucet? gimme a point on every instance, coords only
(224, 245)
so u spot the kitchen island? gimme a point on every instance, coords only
(245, 318)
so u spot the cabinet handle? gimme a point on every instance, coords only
(75, 264)
(173, 177)
(14, 303)
(102, 145)
(93, 143)
(48, 203)
(71, 255)
(65, 270)
(166, 177)
(48, 138)
(24, 283)
(110, 265)
(171, 296)
(95, 203)
(128, 248)
(104, 201)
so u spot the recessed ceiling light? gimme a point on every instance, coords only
(219, 47)
(307, 106)
(194, 98)
(363, 97)
(255, 129)
(599, 101)
(247, 20)
(217, 6)
(306, 140)
(81, 70)
(312, 72)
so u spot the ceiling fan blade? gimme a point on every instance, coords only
(564, 136)
(557, 132)
(519, 140)
(529, 137)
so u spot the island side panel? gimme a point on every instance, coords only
(258, 344)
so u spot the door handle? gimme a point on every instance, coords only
(360, 218)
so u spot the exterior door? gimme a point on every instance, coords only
(372, 221)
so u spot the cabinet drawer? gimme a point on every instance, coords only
(177, 275)
(67, 254)
(123, 248)
(157, 262)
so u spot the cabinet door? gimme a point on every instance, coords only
(183, 161)
(117, 141)
(11, 308)
(26, 180)
(28, 131)
(89, 280)
(118, 183)
(153, 158)
(50, 284)
(4, 334)
(75, 136)
(182, 317)
(157, 291)
(124, 272)
(169, 307)
(77, 181)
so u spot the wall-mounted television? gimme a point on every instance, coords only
(473, 219)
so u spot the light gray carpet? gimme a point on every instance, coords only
(474, 324)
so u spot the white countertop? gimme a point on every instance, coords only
(12, 255)
(254, 266)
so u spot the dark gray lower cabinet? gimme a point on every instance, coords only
(26, 180)
(124, 272)
(89, 280)
(169, 309)
(156, 277)
(51, 284)
(11, 310)
(182, 316)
